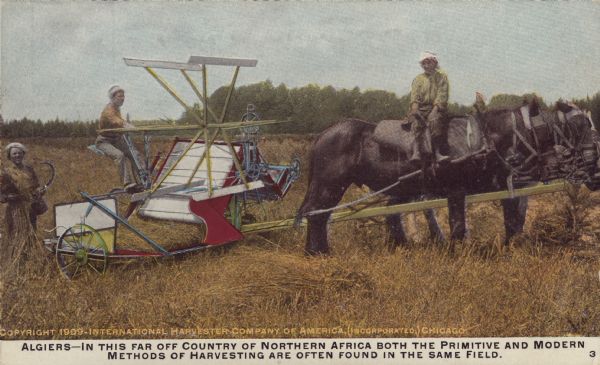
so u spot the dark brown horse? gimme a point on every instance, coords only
(514, 143)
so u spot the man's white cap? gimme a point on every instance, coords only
(113, 89)
(427, 55)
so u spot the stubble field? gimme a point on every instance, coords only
(546, 283)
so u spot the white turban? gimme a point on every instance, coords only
(113, 89)
(18, 145)
(427, 55)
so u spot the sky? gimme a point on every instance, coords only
(58, 58)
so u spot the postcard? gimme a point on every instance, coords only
(300, 182)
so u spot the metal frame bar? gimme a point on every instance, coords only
(114, 215)
(50, 243)
(136, 62)
(222, 61)
(140, 169)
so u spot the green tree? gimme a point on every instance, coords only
(500, 101)
(305, 115)
(191, 116)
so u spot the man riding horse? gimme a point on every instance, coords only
(428, 107)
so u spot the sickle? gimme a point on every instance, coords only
(50, 180)
(50, 164)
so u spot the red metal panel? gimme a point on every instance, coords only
(212, 212)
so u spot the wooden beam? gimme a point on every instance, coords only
(198, 93)
(166, 127)
(235, 125)
(409, 207)
(207, 142)
(164, 191)
(169, 170)
(174, 94)
(235, 189)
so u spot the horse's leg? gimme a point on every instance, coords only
(522, 211)
(457, 215)
(435, 232)
(397, 236)
(396, 233)
(320, 198)
(515, 212)
(316, 235)
(396, 230)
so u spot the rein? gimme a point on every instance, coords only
(392, 185)
(563, 134)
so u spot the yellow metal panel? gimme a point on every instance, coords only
(108, 235)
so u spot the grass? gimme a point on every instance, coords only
(545, 284)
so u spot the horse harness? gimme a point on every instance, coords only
(531, 124)
(568, 145)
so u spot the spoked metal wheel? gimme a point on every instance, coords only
(81, 248)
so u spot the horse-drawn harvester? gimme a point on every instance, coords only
(200, 180)
(208, 181)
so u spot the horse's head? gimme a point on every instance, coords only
(590, 144)
(582, 141)
(570, 112)
(546, 144)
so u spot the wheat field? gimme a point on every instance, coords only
(546, 283)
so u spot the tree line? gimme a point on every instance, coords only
(56, 128)
(309, 109)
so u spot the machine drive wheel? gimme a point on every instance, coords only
(81, 248)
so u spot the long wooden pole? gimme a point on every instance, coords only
(174, 94)
(409, 207)
(162, 127)
(226, 138)
(207, 142)
(170, 169)
(219, 121)
(199, 94)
